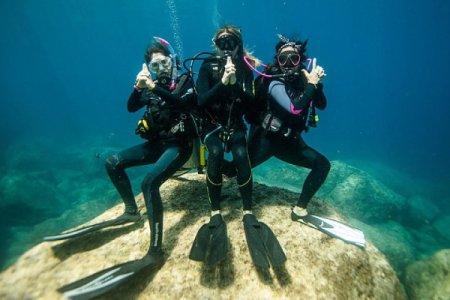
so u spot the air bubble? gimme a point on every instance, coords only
(175, 28)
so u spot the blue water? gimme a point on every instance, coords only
(67, 69)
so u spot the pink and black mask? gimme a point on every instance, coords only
(289, 62)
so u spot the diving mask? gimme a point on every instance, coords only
(160, 64)
(227, 42)
(288, 58)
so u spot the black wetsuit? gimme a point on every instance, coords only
(290, 103)
(167, 152)
(224, 106)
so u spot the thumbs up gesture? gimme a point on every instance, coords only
(144, 79)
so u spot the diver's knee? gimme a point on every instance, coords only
(215, 152)
(112, 162)
(240, 155)
(150, 183)
(147, 183)
(324, 164)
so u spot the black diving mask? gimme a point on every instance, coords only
(227, 42)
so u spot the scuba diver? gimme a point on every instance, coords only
(167, 126)
(164, 126)
(225, 93)
(287, 96)
(290, 99)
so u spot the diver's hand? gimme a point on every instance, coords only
(316, 74)
(229, 76)
(144, 79)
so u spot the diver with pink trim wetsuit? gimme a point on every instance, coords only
(288, 94)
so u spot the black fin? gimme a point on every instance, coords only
(201, 244)
(219, 242)
(255, 244)
(273, 247)
(123, 219)
(212, 236)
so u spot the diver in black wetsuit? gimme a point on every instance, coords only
(164, 125)
(225, 93)
(169, 127)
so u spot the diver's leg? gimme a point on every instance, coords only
(260, 146)
(173, 157)
(295, 151)
(116, 164)
(214, 170)
(242, 164)
(259, 150)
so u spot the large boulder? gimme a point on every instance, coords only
(362, 197)
(41, 178)
(353, 191)
(429, 278)
(442, 225)
(420, 211)
(393, 240)
(318, 267)
(395, 179)
(40, 181)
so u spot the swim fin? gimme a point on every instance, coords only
(213, 237)
(332, 228)
(262, 243)
(105, 280)
(123, 219)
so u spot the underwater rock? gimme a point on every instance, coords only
(24, 238)
(366, 199)
(429, 278)
(399, 181)
(42, 181)
(426, 241)
(442, 225)
(269, 174)
(421, 211)
(318, 267)
(393, 240)
(351, 190)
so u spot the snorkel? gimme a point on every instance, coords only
(174, 72)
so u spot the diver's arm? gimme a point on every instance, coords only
(315, 93)
(319, 100)
(277, 90)
(205, 95)
(177, 101)
(246, 94)
(136, 101)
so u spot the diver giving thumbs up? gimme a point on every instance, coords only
(144, 79)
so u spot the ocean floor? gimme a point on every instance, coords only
(44, 192)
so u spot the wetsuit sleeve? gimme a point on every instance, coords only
(316, 94)
(205, 94)
(137, 101)
(183, 102)
(277, 91)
